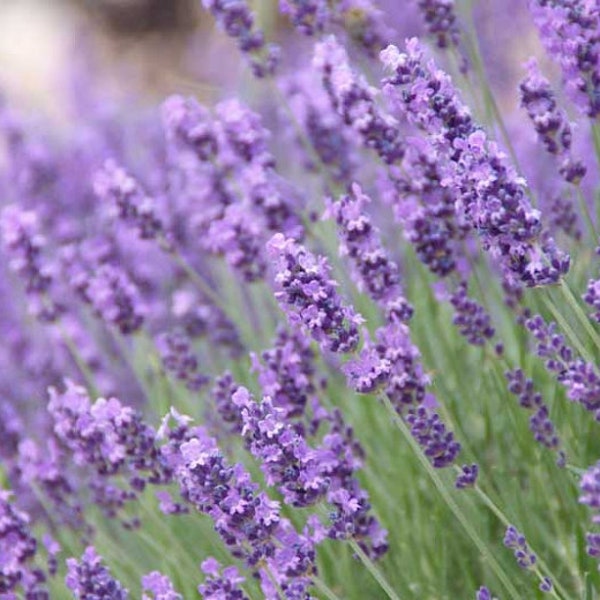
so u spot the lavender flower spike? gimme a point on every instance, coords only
(590, 488)
(237, 20)
(515, 540)
(490, 197)
(307, 294)
(550, 123)
(89, 578)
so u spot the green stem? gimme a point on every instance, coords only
(579, 312)
(450, 502)
(585, 210)
(326, 591)
(375, 572)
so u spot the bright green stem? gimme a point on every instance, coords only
(579, 312)
(324, 589)
(574, 339)
(372, 568)
(452, 505)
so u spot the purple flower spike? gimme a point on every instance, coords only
(354, 100)
(490, 197)
(221, 584)
(376, 274)
(236, 19)
(516, 541)
(550, 123)
(18, 548)
(308, 296)
(128, 201)
(570, 31)
(159, 586)
(473, 322)
(24, 244)
(179, 359)
(89, 578)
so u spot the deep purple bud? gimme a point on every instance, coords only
(516, 541)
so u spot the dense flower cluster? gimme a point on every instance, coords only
(491, 198)
(570, 31)
(89, 578)
(550, 122)
(185, 257)
(307, 294)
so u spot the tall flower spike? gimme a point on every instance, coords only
(25, 244)
(550, 123)
(377, 275)
(128, 201)
(89, 578)
(18, 549)
(354, 100)
(307, 295)
(305, 474)
(570, 31)
(490, 197)
(247, 520)
(237, 20)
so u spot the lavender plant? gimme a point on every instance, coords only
(332, 333)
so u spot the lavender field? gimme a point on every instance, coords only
(312, 312)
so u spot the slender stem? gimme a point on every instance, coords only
(579, 312)
(372, 568)
(452, 505)
(322, 587)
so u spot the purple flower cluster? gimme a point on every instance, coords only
(111, 439)
(440, 19)
(540, 424)
(18, 550)
(89, 578)
(376, 274)
(354, 100)
(570, 31)
(221, 584)
(490, 197)
(517, 542)
(308, 296)
(248, 522)
(472, 320)
(308, 16)
(550, 123)
(581, 379)
(484, 594)
(179, 359)
(305, 475)
(25, 245)
(286, 373)
(236, 19)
